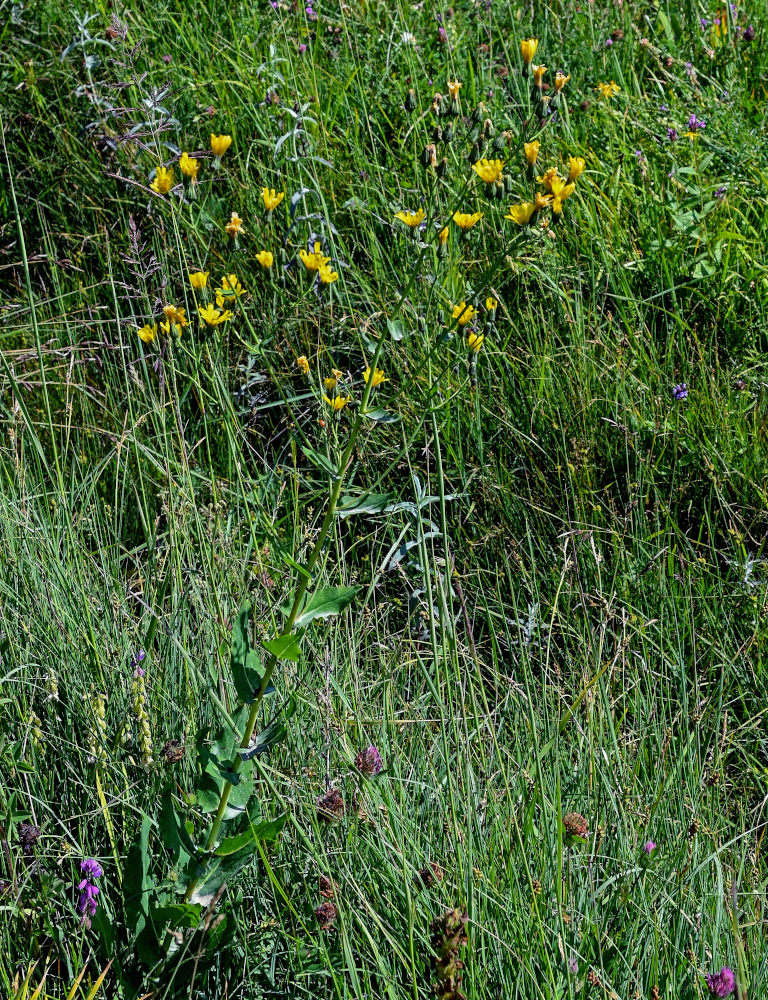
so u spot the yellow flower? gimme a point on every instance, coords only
(327, 274)
(303, 364)
(542, 201)
(576, 166)
(475, 341)
(189, 166)
(271, 199)
(443, 236)
(212, 316)
(453, 89)
(608, 90)
(521, 214)
(163, 181)
(538, 74)
(532, 151)
(235, 225)
(375, 378)
(176, 327)
(265, 258)
(465, 221)
(491, 304)
(330, 383)
(488, 170)
(220, 144)
(463, 313)
(313, 261)
(547, 177)
(148, 333)
(690, 135)
(560, 189)
(338, 402)
(176, 315)
(557, 205)
(198, 280)
(230, 290)
(560, 81)
(528, 48)
(411, 219)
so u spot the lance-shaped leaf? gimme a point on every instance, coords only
(326, 602)
(245, 662)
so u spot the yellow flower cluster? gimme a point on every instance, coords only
(164, 178)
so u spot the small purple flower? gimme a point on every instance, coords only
(369, 761)
(608, 42)
(91, 868)
(672, 134)
(694, 122)
(680, 391)
(303, 48)
(88, 903)
(722, 983)
(716, 22)
(749, 33)
(639, 155)
(704, 22)
(573, 965)
(720, 193)
(663, 107)
(649, 847)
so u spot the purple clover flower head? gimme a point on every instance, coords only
(704, 22)
(573, 965)
(680, 391)
(368, 761)
(663, 107)
(749, 33)
(672, 134)
(608, 42)
(649, 847)
(722, 983)
(91, 869)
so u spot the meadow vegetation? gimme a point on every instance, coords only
(383, 463)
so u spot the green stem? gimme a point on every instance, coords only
(298, 600)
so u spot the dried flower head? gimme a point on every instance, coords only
(331, 807)
(326, 914)
(575, 825)
(368, 761)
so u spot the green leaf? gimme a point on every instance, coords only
(137, 883)
(231, 845)
(380, 416)
(178, 915)
(245, 662)
(173, 832)
(374, 503)
(220, 871)
(321, 461)
(284, 647)
(326, 602)
(275, 732)
(269, 829)
(395, 328)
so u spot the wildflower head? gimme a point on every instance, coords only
(547, 177)
(491, 304)
(488, 170)
(722, 983)
(538, 74)
(230, 290)
(271, 198)
(608, 90)
(528, 48)
(220, 144)
(649, 847)
(315, 260)
(337, 403)
(302, 363)
(189, 166)
(327, 274)
(453, 89)
(532, 151)
(542, 201)
(575, 827)
(368, 761)
(87, 903)
(521, 214)
(465, 220)
(411, 219)
(176, 315)
(265, 258)
(560, 81)
(91, 868)
(235, 225)
(680, 391)
(148, 332)
(475, 341)
(212, 316)
(463, 313)
(442, 236)
(375, 377)
(163, 180)
(560, 189)
(198, 280)
(576, 166)
(326, 914)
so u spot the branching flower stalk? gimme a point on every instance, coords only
(298, 601)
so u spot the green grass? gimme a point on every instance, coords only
(562, 602)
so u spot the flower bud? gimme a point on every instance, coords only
(410, 100)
